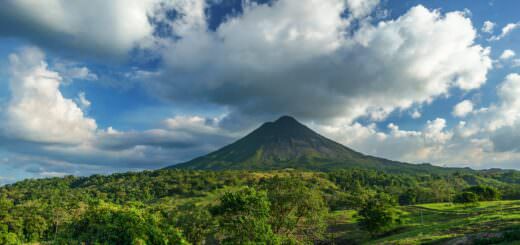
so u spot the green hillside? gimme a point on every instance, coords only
(286, 143)
(294, 207)
(495, 222)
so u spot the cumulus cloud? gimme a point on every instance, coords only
(151, 148)
(488, 26)
(361, 8)
(91, 27)
(504, 118)
(507, 54)
(506, 30)
(263, 61)
(487, 138)
(463, 108)
(37, 110)
(49, 134)
(507, 112)
(180, 132)
(83, 102)
(322, 67)
(415, 114)
(71, 71)
(515, 63)
(425, 145)
(459, 146)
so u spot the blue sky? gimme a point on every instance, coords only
(99, 87)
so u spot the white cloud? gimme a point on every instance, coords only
(416, 114)
(92, 27)
(506, 30)
(414, 59)
(488, 138)
(361, 8)
(40, 123)
(37, 110)
(83, 102)
(507, 54)
(434, 143)
(265, 60)
(181, 132)
(426, 145)
(435, 131)
(463, 108)
(499, 124)
(488, 26)
(193, 124)
(507, 112)
(515, 63)
(71, 71)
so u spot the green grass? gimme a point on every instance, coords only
(435, 223)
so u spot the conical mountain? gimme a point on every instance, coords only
(286, 143)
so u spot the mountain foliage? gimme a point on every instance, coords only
(187, 206)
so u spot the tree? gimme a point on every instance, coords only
(297, 211)
(111, 224)
(7, 237)
(378, 213)
(441, 190)
(466, 197)
(195, 222)
(408, 198)
(243, 218)
(484, 193)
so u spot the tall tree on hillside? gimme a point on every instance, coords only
(378, 213)
(297, 211)
(243, 218)
(195, 222)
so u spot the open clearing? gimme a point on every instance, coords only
(437, 223)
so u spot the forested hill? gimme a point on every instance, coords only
(287, 143)
(182, 206)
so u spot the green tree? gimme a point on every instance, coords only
(466, 197)
(484, 193)
(297, 211)
(111, 224)
(7, 237)
(195, 222)
(378, 213)
(243, 218)
(408, 198)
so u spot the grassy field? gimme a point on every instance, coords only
(438, 223)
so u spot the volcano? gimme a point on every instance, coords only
(287, 143)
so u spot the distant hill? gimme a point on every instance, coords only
(286, 143)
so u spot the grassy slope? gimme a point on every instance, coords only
(436, 223)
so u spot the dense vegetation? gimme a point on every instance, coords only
(233, 207)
